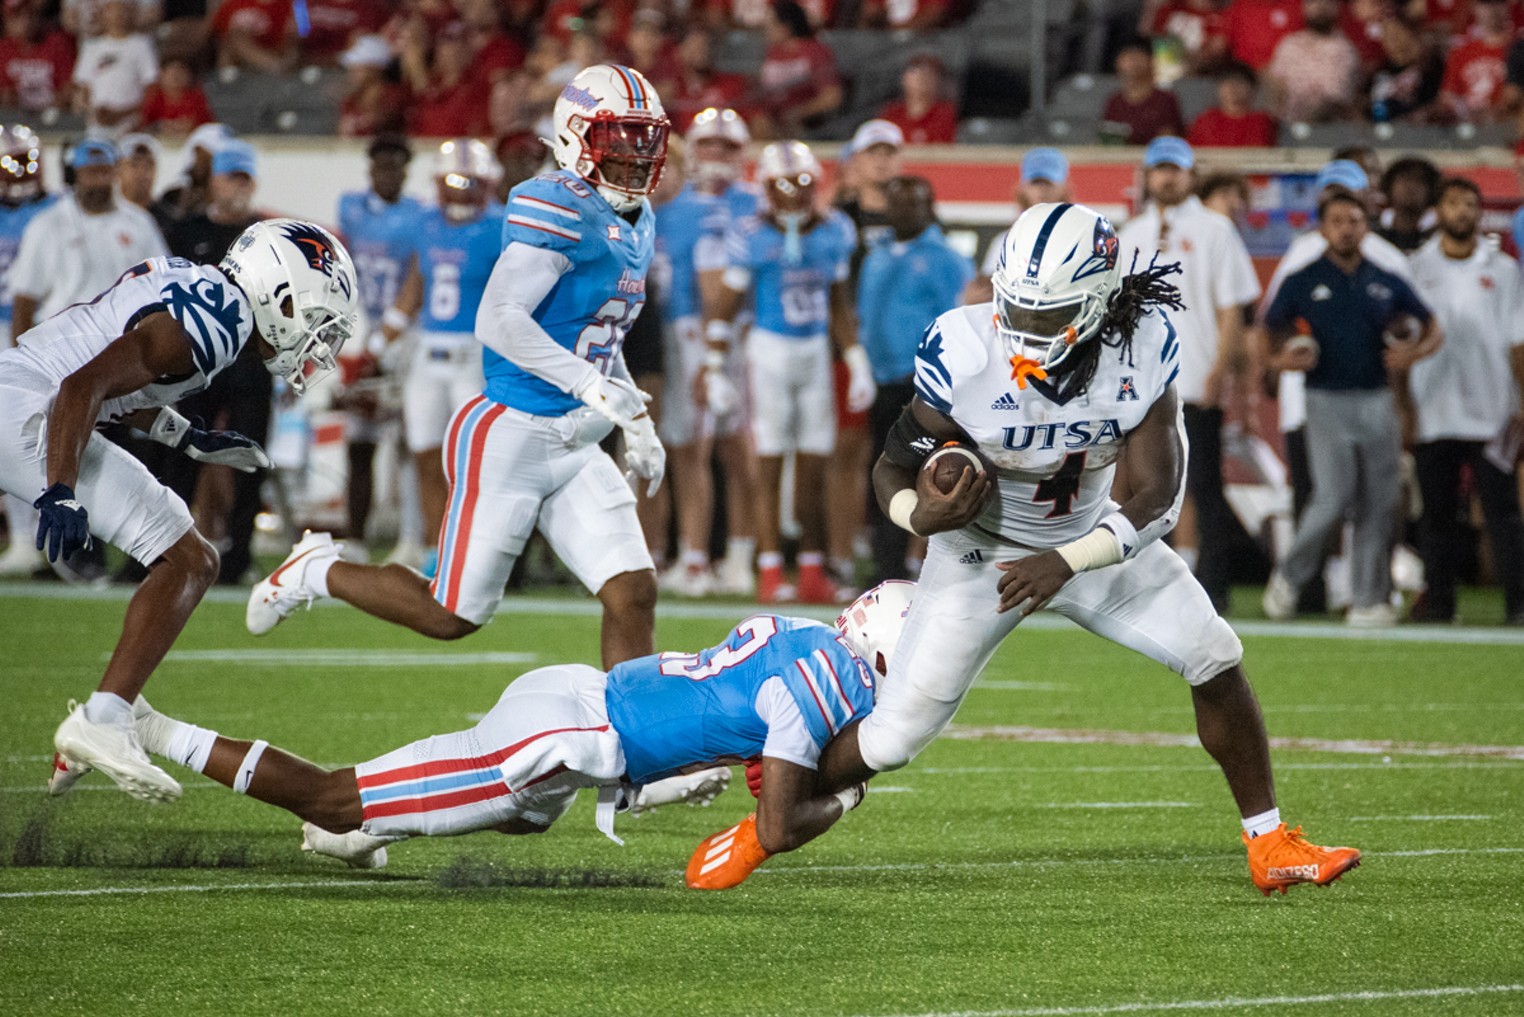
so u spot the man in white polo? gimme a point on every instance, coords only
(1217, 282)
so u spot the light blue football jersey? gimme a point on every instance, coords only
(676, 709)
(13, 222)
(690, 238)
(793, 296)
(379, 238)
(455, 260)
(591, 308)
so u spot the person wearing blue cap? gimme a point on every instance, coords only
(1217, 282)
(1044, 179)
(242, 393)
(1349, 306)
(76, 247)
(1340, 175)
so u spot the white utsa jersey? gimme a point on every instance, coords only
(212, 309)
(1054, 460)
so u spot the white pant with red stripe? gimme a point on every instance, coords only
(547, 737)
(511, 471)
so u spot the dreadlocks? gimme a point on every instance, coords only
(1139, 292)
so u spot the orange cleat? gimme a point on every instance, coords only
(815, 587)
(725, 859)
(1282, 858)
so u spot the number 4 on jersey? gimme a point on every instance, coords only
(1062, 488)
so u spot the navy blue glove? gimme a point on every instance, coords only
(228, 448)
(65, 519)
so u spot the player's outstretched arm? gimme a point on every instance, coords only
(910, 498)
(156, 348)
(790, 813)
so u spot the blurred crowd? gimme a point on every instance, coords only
(449, 68)
(1288, 62)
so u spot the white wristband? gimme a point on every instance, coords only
(901, 506)
(718, 331)
(1127, 534)
(851, 798)
(714, 360)
(1096, 549)
(395, 319)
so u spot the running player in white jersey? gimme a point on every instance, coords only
(1071, 363)
(160, 333)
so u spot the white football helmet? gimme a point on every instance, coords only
(1057, 273)
(466, 174)
(717, 125)
(300, 282)
(787, 170)
(872, 623)
(610, 114)
(20, 164)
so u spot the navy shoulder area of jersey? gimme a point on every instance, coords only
(551, 210)
(952, 348)
(211, 308)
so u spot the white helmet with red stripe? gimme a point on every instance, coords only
(610, 129)
(788, 172)
(465, 173)
(872, 623)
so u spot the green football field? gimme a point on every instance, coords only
(1066, 849)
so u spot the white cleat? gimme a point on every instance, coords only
(285, 589)
(357, 849)
(1280, 598)
(1377, 616)
(734, 577)
(66, 773)
(694, 788)
(687, 581)
(116, 752)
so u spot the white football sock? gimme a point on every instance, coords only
(811, 559)
(317, 575)
(769, 560)
(741, 549)
(175, 740)
(1265, 822)
(694, 559)
(108, 708)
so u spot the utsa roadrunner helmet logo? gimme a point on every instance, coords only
(1103, 250)
(314, 245)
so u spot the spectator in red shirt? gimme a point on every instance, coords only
(1138, 111)
(797, 84)
(1363, 23)
(175, 105)
(915, 15)
(1256, 27)
(334, 24)
(1234, 122)
(256, 34)
(497, 53)
(723, 14)
(690, 84)
(448, 100)
(1197, 25)
(372, 103)
(1475, 71)
(922, 114)
(36, 61)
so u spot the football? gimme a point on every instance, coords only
(947, 464)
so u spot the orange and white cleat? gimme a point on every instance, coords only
(772, 588)
(725, 859)
(1282, 858)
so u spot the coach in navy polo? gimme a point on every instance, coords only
(1353, 439)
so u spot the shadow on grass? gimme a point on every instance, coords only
(472, 873)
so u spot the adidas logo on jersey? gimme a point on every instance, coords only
(974, 557)
(1005, 402)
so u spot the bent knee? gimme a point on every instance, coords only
(1218, 652)
(447, 627)
(194, 556)
(630, 592)
(885, 747)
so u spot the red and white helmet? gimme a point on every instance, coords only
(788, 173)
(872, 623)
(466, 174)
(1057, 274)
(609, 128)
(20, 164)
(715, 124)
(300, 282)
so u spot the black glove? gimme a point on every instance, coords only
(63, 517)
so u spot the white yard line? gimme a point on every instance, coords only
(1236, 1002)
(1118, 805)
(1463, 817)
(338, 657)
(107, 891)
(1160, 739)
(590, 608)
